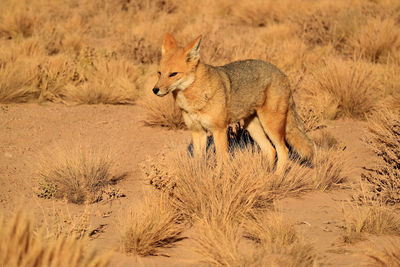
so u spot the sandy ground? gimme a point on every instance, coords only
(28, 130)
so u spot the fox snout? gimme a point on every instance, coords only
(159, 91)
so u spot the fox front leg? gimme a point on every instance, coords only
(221, 144)
(199, 143)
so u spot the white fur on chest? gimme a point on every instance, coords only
(194, 119)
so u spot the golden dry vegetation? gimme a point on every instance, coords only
(23, 245)
(343, 62)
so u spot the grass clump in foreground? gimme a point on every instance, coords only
(225, 204)
(274, 242)
(201, 187)
(21, 246)
(151, 227)
(78, 173)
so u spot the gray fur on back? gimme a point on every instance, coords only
(248, 80)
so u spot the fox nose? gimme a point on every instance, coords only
(155, 90)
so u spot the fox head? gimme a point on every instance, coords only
(177, 65)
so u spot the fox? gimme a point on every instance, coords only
(210, 97)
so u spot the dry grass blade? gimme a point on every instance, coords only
(21, 246)
(78, 173)
(151, 227)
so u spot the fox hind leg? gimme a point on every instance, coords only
(254, 127)
(273, 120)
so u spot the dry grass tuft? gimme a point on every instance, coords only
(342, 89)
(17, 74)
(330, 169)
(17, 23)
(386, 255)
(319, 27)
(203, 190)
(259, 13)
(281, 244)
(162, 112)
(218, 243)
(21, 246)
(311, 120)
(105, 79)
(369, 217)
(151, 227)
(384, 140)
(78, 173)
(377, 41)
(274, 242)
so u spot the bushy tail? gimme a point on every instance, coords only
(296, 136)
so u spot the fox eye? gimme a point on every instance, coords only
(159, 73)
(173, 74)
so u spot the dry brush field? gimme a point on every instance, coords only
(95, 169)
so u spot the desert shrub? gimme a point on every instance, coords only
(17, 85)
(78, 173)
(274, 243)
(17, 22)
(330, 24)
(311, 120)
(377, 40)
(281, 245)
(330, 169)
(18, 71)
(105, 79)
(205, 190)
(384, 140)
(218, 243)
(387, 254)
(151, 227)
(318, 27)
(259, 13)
(162, 112)
(369, 217)
(21, 245)
(341, 89)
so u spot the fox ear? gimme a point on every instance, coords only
(192, 50)
(168, 44)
